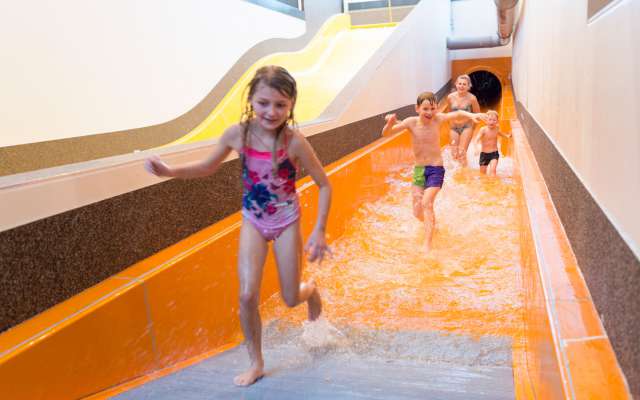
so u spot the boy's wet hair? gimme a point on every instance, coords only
(278, 78)
(426, 96)
(494, 113)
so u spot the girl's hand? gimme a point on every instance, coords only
(154, 165)
(317, 247)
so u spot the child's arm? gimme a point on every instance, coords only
(478, 139)
(475, 117)
(316, 244)
(505, 135)
(392, 125)
(481, 132)
(195, 169)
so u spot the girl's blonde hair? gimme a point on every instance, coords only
(466, 77)
(494, 113)
(279, 79)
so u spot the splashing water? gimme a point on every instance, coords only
(321, 334)
(380, 278)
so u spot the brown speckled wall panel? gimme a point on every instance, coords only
(597, 5)
(609, 266)
(50, 260)
(334, 144)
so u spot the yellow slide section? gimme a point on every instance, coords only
(321, 70)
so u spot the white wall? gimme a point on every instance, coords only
(413, 60)
(581, 82)
(476, 18)
(79, 67)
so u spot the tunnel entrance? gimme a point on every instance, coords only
(487, 88)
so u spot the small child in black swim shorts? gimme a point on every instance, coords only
(488, 137)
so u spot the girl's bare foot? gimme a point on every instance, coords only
(250, 376)
(314, 303)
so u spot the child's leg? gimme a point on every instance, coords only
(483, 169)
(454, 141)
(493, 165)
(465, 139)
(288, 251)
(251, 257)
(429, 215)
(417, 193)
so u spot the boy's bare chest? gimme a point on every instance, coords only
(426, 133)
(491, 134)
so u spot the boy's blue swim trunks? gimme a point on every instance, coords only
(428, 176)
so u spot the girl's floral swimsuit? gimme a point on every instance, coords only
(269, 200)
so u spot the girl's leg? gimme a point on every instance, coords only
(416, 194)
(465, 139)
(483, 169)
(288, 251)
(251, 258)
(429, 215)
(493, 165)
(454, 141)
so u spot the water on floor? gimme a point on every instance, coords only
(396, 323)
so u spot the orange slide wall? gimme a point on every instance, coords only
(178, 305)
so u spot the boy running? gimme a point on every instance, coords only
(428, 173)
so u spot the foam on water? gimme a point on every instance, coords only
(322, 334)
(380, 279)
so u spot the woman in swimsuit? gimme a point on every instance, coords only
(461, 130)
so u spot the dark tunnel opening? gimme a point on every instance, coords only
(487, 88)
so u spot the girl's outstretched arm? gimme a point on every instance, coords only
(196, 169)
(316, 244)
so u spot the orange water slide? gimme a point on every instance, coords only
(502, 284)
